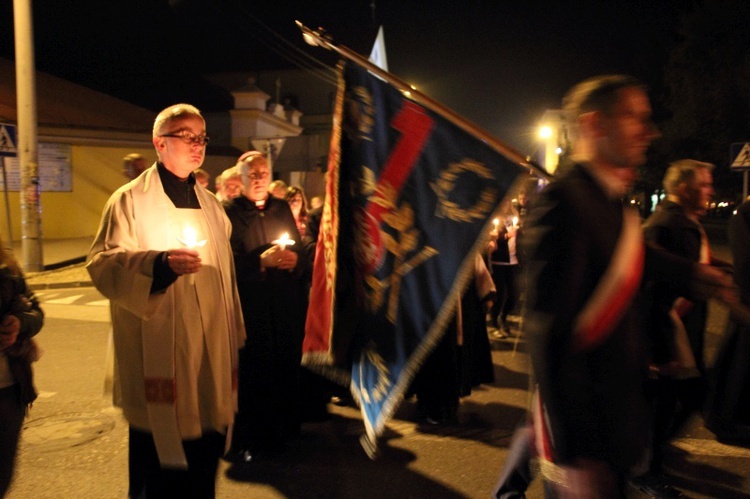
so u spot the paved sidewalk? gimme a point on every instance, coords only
(71, 276)
(63, 261)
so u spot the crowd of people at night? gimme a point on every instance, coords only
(209, 300)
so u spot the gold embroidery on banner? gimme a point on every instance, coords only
(402, 220)
(445, 184)
(367, 184)
(384, 196)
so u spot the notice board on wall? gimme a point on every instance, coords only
(55, 169)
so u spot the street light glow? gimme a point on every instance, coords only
(545, 132)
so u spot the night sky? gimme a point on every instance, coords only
(498, 63)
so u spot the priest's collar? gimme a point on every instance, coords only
(180, 192)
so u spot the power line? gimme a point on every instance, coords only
(283, 47)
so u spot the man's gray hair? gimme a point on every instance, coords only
(681, 171)
(175, 112)
(247, 159)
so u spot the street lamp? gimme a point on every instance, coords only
(549, 133)
(545, 132)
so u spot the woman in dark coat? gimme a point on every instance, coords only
(20, 319)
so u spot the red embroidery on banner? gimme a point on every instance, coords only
(415, 125)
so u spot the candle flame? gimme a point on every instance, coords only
(284, 240)
(190, 238)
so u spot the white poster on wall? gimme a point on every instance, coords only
(55, 170)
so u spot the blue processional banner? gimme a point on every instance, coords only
(412, 196)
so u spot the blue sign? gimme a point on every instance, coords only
(8, 143)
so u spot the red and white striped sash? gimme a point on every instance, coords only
(615, 291)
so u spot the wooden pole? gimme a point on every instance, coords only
(31, 208)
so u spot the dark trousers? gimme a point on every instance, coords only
(269, 384)
(504, 277)
(672, 403)
(436, 383)
(148, 480)
(12, 413)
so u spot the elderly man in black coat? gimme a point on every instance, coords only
(272, 283)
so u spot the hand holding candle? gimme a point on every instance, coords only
(278, 256)
(186, 261)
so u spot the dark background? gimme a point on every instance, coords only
(501, 64)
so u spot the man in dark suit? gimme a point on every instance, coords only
(676, 322)
(585, 261)
(676, 227)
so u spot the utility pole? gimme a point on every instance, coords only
(31, 208)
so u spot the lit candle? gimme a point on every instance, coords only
(515, 221)
(496, 222)
(189, 238)
(283, 241)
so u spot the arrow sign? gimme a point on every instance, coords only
(8, 140)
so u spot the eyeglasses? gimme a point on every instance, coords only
(258, 175)
(189, 138)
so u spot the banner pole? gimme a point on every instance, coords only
(315, 37)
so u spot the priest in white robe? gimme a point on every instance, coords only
(162, 257)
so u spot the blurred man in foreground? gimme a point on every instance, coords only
(586, 261)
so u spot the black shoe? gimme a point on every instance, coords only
(654, 486)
